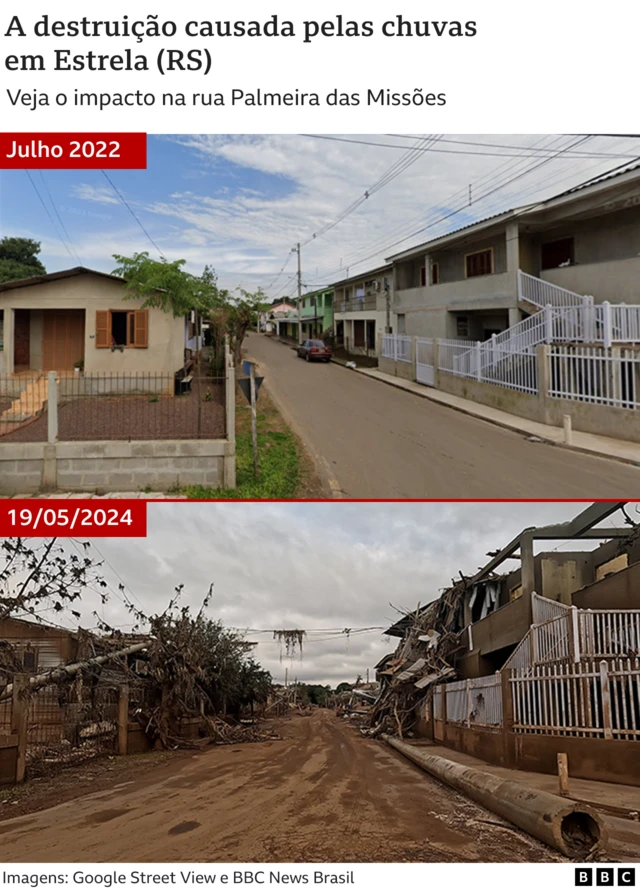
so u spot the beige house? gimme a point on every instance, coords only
(58, 320)
(362, 310)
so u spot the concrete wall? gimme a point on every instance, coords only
(505, 626)
(91, 293)
(398, 368)
(614, 422)
(84, 466)
(620, 590)
(614, 281)
(600, 759)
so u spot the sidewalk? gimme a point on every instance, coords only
(596, 445)
(616, 804)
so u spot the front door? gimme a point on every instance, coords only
(22, 331)
(62, 338)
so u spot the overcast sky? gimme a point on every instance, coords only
(311, 566)
(241, 202)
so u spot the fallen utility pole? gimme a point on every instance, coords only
(571, 827)
(61, 673)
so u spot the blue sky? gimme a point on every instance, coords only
(241, 202)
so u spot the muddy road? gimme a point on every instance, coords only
(322, 793)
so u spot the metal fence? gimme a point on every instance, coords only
(449, 349)
(70, 724)
(543, 609)
(118, 407)
(587, 699)
(475, 702)
(397, 347)
(538, 291)
(596, 375)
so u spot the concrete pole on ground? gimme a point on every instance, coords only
(567, 430)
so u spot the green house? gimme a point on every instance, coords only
(316, 312)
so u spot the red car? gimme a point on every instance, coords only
(313, 349)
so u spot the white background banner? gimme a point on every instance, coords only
(361, 67)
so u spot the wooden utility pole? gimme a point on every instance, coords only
(254, 417)
(563, 775)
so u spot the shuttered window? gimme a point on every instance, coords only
(129, 329)
(479, 263)
(103, 329)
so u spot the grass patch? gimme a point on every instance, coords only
(285, 471)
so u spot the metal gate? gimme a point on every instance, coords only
(425, 372)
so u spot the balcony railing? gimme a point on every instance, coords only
(358, 304)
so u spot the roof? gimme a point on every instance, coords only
(51, 277)
(511, 214)
(364, 275)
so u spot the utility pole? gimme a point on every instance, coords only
(387, 296)
(297, 249)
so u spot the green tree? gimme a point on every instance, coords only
(165, 285)
(234, 314)
(19, 258)
(344, 687)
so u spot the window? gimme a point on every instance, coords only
(557, 254)
(30, 660)
(122, 328)
(462, 327)
(435, 273)
(423, 276)
(402, 319)
(478, 263)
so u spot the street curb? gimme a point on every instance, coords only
(587, 451)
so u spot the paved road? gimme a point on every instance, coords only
(322, 793)
(375, 441)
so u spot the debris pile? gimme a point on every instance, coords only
(430, 638)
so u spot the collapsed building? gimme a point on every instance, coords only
(516, 665)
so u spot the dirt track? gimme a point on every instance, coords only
(323, 793)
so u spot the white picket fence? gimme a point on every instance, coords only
(425, 361)
(595, 375)
(575, 634)
(397, 347)
(588, 699)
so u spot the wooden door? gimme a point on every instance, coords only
(62, 338)
(21, 336)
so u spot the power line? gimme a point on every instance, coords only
(48, 213)
(524, 152)
(53, 204)
(132, 212)
(455, 211)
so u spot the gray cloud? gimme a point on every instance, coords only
(310, 566)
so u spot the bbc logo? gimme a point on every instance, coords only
(626, 878)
